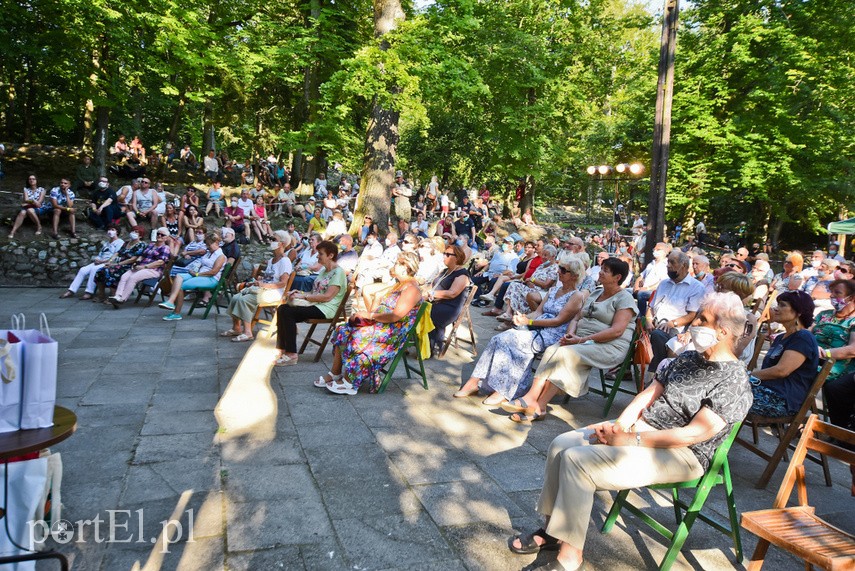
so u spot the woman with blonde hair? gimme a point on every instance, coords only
(791, 278)
(372, 337)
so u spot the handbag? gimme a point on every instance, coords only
(643, 353)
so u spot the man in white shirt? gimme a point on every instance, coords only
(212, 167)
(246, 204)
(655, 272)
(674, 307)
(503, 261)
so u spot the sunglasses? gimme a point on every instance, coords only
(563, 270)
(159, 235)
(735, 266)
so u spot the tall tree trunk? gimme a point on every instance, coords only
(11, 108)
(527, 199)
(381, 139)
(102, 125)
(30, 103)
(175, 124)
(89, 110)
(209, 142)
(297, 172)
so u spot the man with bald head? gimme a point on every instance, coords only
(674, 305)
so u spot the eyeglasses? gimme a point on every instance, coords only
(563, 270)
(448, 254)
(735, 266)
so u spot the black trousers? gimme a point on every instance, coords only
(840, 396)
(287, 317)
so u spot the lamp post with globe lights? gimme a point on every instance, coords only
(619, 173)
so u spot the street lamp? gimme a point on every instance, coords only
(621, 172)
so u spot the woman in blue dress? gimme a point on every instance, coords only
(504, 368)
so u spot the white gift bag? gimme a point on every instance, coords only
(26, 489)
(37, 368)
(11, 359)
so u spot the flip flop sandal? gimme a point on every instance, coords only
(515, 405)
(86, 296)
(522, 418)
(528, 545)
(285, 360)
(241, 338)
(230, 333)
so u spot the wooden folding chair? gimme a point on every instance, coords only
(339, 317)
(798, 529)
(220, 287)
(270, 308)
(793, 424)
(411, 341)
(464, 314)
(610, 390)
(717, 474)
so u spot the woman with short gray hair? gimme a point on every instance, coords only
(543, 278)
(668, 433)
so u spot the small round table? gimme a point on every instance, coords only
(20, 442)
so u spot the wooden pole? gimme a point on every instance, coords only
(662, 129)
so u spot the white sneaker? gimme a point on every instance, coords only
(487, 297)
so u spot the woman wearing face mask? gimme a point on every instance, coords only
(835, 332)
(668, 433)
(147, 265)
(108, 276)
(109, 251)
(789, 368)
(204, 277)
(307, 265)
(234, 216)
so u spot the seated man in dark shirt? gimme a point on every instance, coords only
(464, 228)
(105, 205)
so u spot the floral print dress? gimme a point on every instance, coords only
(111, 276)
(519, 289)
(364, 350)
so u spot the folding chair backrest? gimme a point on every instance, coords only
(809, 441)
(758, 345)
(767, 309)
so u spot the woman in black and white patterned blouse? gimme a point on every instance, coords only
(668, 433)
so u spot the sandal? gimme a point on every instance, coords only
(67, 294)
(241, 338)
(230, 333)
(525, 418)
(285, 360)
(528, 545)
(503, 327)
(341, 388)
(86, 296)
(461, 394)
(322, 382)
(515, 405)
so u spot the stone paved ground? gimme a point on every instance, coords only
(277, 474)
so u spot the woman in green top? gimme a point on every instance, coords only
(321, 303)
(834, 329)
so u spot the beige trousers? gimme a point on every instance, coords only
(576, 469)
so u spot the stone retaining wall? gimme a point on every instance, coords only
(54, 263)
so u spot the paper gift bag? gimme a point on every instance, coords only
(38, 389)
(11, 360)
(36, 372)
(26, 488)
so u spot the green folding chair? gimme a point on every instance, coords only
(411, 341)
(220, 287)
(718, 473)
(610, 390)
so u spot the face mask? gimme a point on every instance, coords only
(234, 204)
(134, 235)
(623, 250)
(200, 237)
(658, 254)
(111, 233)
(672, 274)
(103, 185)
(838, 303)
(460, 242)
(505, 247)
(388, 242)
(703, 337)
(371, 241)
(832, 253)
(815, 263)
